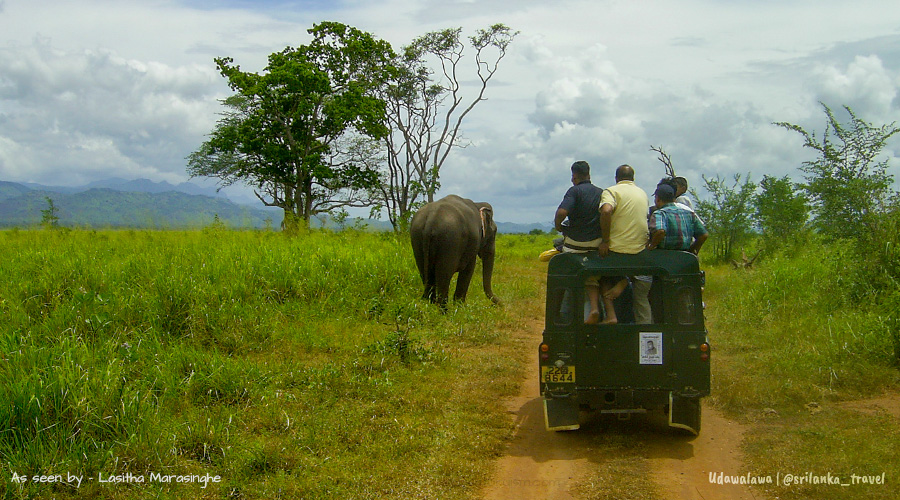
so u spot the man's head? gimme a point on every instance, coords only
(669, 181)
(581, 171)
(664, 194)
(681, 185)
(624, 173)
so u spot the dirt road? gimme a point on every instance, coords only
(568, 465)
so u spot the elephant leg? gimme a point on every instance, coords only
(426, 271)
(443, 276)
(446, 252)
(430, 286)
(462, 282)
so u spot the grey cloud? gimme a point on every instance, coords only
(704, 134)
(451, 10)
(95, 111)
(690, 41)
(862, 74)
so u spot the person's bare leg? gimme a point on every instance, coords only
(610, 318)
(594, 297)
(614, 292)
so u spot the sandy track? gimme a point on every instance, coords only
(547, 465)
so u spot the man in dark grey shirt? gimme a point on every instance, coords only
(581, 206)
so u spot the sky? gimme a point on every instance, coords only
(93, 89)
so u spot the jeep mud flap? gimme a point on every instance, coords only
(560, 414)
(684, 413)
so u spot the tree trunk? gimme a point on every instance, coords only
(293, 224)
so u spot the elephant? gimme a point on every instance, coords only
(446, 236)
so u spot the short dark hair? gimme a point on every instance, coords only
(669, 181)
(581, 169)
(680, 183)
(624, 173)
(665, 192)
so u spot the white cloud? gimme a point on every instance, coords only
(101, 88)
(866, 85)
(93, 112)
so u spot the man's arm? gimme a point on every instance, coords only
(561, 214)
(700, 235)
(606, 211)
(699, 240)
(656, 238)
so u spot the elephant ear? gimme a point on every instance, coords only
(487, 220)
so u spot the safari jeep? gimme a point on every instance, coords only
(625, 368)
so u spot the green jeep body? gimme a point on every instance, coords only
(625, 368)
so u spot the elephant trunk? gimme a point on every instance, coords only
(487, 270)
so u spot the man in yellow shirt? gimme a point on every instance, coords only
(623, 226)
(623, 215)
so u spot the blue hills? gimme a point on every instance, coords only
(142, 203)
(138, 203)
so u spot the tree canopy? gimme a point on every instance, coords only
(426, 109)
(847, 187)
(728, 215)
(294, 131)
(781, 209)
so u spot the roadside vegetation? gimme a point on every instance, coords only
(798, 338)
(814, 324)
(303, 367)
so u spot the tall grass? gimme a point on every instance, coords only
(798, 319)
(796, 337)
(305, 367)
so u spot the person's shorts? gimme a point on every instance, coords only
(572, 246)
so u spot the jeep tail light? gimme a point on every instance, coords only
(704, 352)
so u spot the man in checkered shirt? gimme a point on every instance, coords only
(673, 227)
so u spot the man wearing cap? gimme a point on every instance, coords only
(580, 206)
(673, 227)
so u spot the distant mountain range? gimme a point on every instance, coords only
(136, 204)
(142, 203)
(136, 185)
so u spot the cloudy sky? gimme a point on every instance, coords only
(91, 89)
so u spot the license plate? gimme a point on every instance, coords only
(561, 374)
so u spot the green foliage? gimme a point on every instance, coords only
(848, 188)
(49, 219)
(880, 262)
(807, 320)
(781, 210)
(287, 131)
(796, 340)
(426, 108)
(304, 366)
(728, 216)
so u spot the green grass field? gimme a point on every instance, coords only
(795, 339)
(309, 367)
(289, 367)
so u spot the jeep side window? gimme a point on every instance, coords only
(686, 309)
(560, 305)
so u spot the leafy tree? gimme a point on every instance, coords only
(846, 185)
(49, 217)
(729, 215)
(426, 109)
(294, 131)
(781, 209)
